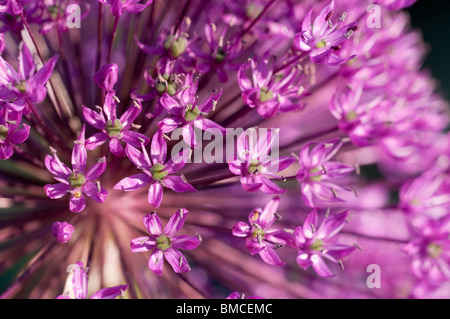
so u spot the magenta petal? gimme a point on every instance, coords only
(241, 229)
(56, 167)
(116, 148)
(185, 242)
(134, 138)
(44, 74)
(320, 266)
(270, 187)
(156, 262)
(133, 182)
(332, 225)
(153, 224)
(310, 224)
(136, 157)
(55, 191)
(267, 216)
(178, 161)
(96, 140)
(26, 63)
(96, 170)
(177, 260)
(158, 148)
(94, 118)
(109, 293)
(176, 222)
(253, 246)
(76, 205)
(269, 256)
(19, 136)
(155, 194)
(79, 281)
(79, 153)
(177, 184)
(141, 244)
(91, 190)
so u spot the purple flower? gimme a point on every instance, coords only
(112, 128)
(10, 134)
(430, 250)
(318, 175)
(223, 50)
(79, 286)
(118, 7)
(260, 239)
(269, 93)
(106, 77)
(254, 164)
(165, 244)
(321, 38)
(313, 243)
(187, 113)
(156, 172)
(76, 181)
(16, 88)
(62, 231)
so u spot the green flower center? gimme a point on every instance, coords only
(258, 233)
(21, 86)
(192, 113)
(166, 86)
(158, 172)
(351, 115)
(175, 47)
(76, 180)
(317, 245)
(434, 250)
(315, 178)
(163, 242)
(255, 168)
(265, 94)
(113, 129)
(220, 56)
(3, 132)
(321, 44)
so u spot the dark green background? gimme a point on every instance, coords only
(432, 17)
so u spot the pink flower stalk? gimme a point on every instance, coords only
(156, 171)
(267, 91)
(254, 164)
(165, 244)
(322, 38)
(318, 175)
(79, 286)
(114, 129)
(76, 181)
(27, 84)
(260, 239)
(62, 231)
(314, 246)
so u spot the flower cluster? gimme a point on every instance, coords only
(297, 131)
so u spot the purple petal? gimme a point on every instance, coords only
(332, 225)
(141, 244)
(310, 224)
(134, 138)
(116, 148)
(270, 187)
(177, 260)
(26, 63)
(267, 217)
(169, 124)
(56, 167)
(133, 182)
(176, 222)
(55, 191)
(185, 242)
(208, 125)
(44, 74)
(96, 140)
(131, 114)
(253, 246)
(158, 148)
(94, 118)
(155, 194)
(178, 161)
(96, 170)
(156, 262)
(177, 184)
(79, 281)
(91, 190)
(241, 229)
(79, 153)
(19, 136)
(153, 224)
(320, 266)
(269, 256)
(109, 293)
(137, 157)
(77, 204)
